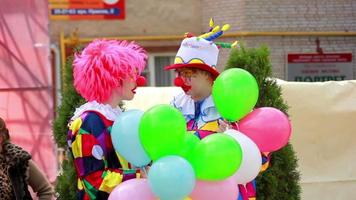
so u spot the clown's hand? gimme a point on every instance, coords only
(223, 126)
(144, 171)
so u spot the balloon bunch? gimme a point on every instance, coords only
(186, 168)
(235, 94)
(183, 166)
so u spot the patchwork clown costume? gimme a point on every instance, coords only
(202, 117)
(100, 72)
(100, 169)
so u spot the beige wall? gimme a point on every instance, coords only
(159, 17)
(224, 12)
(300, 15)
(154, 17)
(286, 15)
(281, 46)
(324, 137)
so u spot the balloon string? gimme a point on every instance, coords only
(237, 126)
(144, 171)
(234, 125)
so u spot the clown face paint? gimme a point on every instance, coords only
(195, 83)
(128, 89)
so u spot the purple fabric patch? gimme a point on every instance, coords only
(102, 141)
(79, 163)
(129, 176)
(83, 116)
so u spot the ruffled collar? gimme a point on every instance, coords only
(185, 104)
(104, 109)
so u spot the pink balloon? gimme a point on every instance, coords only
(213, 190)
(134, 189)
(268, 127)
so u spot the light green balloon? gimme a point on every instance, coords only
(216, 157)
(190, 141)
(235, 93)
(162, 131)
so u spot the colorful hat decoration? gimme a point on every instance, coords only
(201, 52)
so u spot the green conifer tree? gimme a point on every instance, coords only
(66, 181)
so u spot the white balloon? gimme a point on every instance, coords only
(251, 157)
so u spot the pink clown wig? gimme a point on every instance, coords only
(103, 65)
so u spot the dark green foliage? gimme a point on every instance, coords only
(66, 181)
(70, 100)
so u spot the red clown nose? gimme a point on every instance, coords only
(178, 81)
(141, 81)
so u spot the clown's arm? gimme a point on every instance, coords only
(92, 150)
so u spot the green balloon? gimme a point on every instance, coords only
(235, 93)
(216, 157)
(190, 141)
(162, 129)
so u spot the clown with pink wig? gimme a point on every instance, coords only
(105, 73)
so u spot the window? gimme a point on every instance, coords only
(155, 73)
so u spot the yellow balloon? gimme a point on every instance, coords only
(216, 29)
(226, 27)
(211, 22)
(206, 35)
(233, 45)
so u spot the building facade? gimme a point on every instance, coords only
(289, 26)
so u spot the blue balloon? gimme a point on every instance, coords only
(171, 178)
(125, 138)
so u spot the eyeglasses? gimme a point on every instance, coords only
(186, 73)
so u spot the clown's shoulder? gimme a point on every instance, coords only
(185, 104)
(181, 101)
